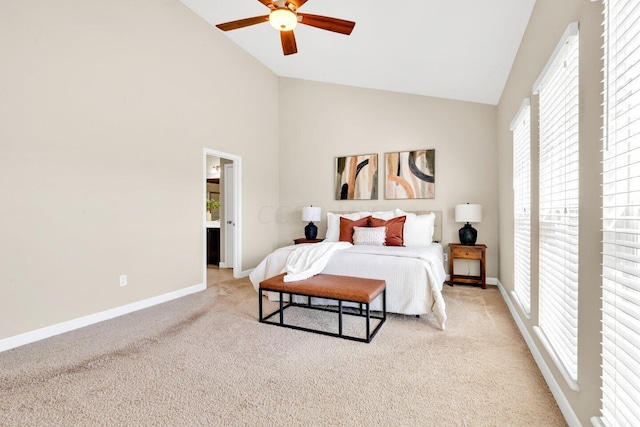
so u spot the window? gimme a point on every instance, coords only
(558, 203)
(521, 128)
(621, 216)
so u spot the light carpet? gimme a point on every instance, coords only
(205, 360)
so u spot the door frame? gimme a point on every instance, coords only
(229, 184)
(237, 214)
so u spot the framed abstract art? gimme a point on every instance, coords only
(410, 175)
(356, 177)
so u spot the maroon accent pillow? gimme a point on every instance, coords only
(346, 227)
(395, 229)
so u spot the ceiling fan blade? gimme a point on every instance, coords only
(288, 40)
(267, 3)
(330, 24)
(298, 3)
(241, 23)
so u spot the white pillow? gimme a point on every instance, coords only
(333, 224)
(372, 236)
(418, 229)
(386, 215)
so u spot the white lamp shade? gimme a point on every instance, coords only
(311, 213)
(468, 213)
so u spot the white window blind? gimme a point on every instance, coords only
(521, 128)
(558, 204)
(621, 216)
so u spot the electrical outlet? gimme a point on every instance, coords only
(446, 257)
(123, 280)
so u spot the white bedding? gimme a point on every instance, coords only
(414, 275)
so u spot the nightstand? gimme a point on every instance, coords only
(303, 240)
(475, 252)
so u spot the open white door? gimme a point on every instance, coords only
(232, 206)
(229, 216)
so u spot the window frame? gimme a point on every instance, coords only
(521, 128)
(620, 216)
(558, 218)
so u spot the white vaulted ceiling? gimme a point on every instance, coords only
(457, 49)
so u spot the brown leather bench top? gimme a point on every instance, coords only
(328, 286)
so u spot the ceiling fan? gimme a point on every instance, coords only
(284, 17)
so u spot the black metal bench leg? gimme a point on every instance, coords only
(384, 304)
(340, 317)
(281, 310)
(368, 324)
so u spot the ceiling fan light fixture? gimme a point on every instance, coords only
(283, 19)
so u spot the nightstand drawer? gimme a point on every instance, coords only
(467, 252)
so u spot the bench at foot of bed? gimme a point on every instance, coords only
(341, 288)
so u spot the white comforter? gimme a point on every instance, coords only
(414, 276)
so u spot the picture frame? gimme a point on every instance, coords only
(410, 175)
(356, 177)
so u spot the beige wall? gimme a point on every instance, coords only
(320, 121)
(548, 22)
(105, 108)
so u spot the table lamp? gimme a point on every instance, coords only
(468, 213)
(311, 213)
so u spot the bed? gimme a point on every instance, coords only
(414, 273)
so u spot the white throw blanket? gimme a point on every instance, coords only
(309, 260)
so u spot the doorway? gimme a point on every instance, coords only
(222, 214)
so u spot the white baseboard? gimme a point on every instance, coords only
(492, 281)
(70, 325)
(561, 399)
(245, 273)
(240, 275)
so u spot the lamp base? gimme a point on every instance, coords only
(311, 231)
(468, 235)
